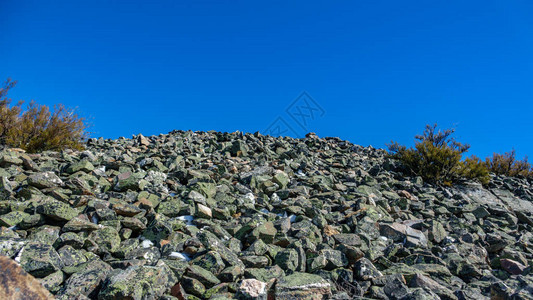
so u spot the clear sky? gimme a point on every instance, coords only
(373, 70)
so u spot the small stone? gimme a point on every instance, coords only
(203, 211)
(252, 289)
(142, 140)
(134, 224)
(395, 231)
(211, 261)
(255, 261)
(138, 282)
(348, 239)
(480, 212)
(266, 232)
(13, 218)
(122, 208)
(53, 281)
(426, 282)
(264, 274)
(288, 260)
(330, 230)
(130, 181)
(204, 276)
(84, 283)
(83, 165)
(511, 266)
(193, 286)
(39, 259)
(70, 256)
(9, 158)
(415, 238)
(281, 178)
(437, 232)
(79, 224)
(106, 237)
(57, 210)
(364, 270)
(231, 273)
(302, 286)
(44, 180)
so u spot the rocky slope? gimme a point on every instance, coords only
(224, 215)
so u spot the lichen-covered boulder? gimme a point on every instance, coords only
(57, 210)
(44, 180)
(39, 259)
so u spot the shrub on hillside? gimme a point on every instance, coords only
(507, 164)
(437, 157)
(37, 128)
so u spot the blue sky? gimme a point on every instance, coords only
(375, 70)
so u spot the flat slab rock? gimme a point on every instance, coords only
(302, 286)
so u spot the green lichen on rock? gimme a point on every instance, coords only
(57, 210)
(138, 282)
(196, 215)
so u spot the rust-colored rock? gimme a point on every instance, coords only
(512, 266)
(330, 230)
(406, 194)
(16, 284)
(177, 291)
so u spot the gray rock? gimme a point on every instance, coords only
(44, 180)
(302, 286)
(40, 260)
(138, 282)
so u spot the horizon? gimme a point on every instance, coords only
(367, 73)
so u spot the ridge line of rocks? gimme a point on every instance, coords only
(210, 215)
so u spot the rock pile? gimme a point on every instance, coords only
(208, 215)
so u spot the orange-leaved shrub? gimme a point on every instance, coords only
(507, 164)
(437, 157)
(38, 128)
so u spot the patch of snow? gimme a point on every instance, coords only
(292, 218)
(188, 219)
(147, 244)
(149, 256)
(275, 198)
(250, 197)
(17, 259)
(14, 227)
(172, 194)
(180, 256)
(94, 219)
(264, 210)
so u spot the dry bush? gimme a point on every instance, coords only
(507, 164)
(437, 157)
(37, 128)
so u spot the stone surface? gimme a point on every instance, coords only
(16, 284)
(302, 286)
(252, 289)
(138, 282)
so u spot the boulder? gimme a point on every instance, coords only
(16, 284)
